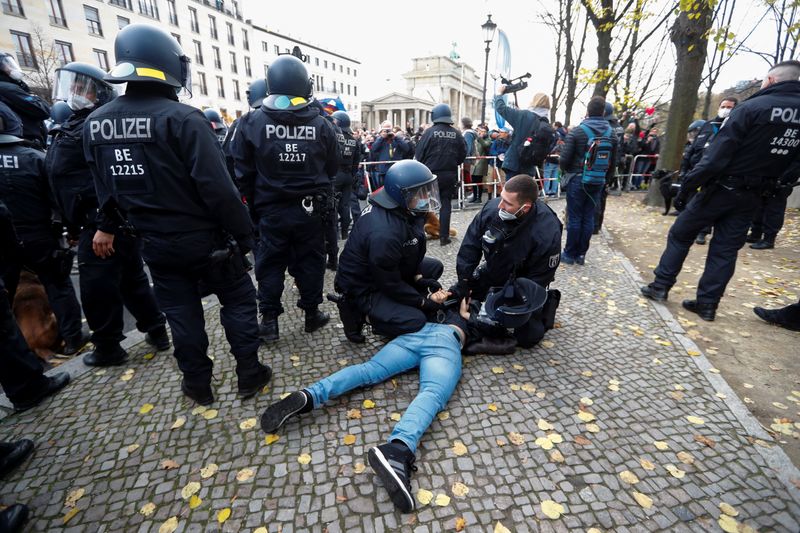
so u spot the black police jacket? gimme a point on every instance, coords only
(383, 254)
(281, 156)
(529, 247)
(31, 109)
(25, 191)
(760, 138)
(350, 157)
(71, 180)
(441, 149)
(161, 163)
(694, 152)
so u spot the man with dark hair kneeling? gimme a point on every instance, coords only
(436, 351)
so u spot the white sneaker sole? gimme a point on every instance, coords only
(398, 492)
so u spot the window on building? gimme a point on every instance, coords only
(217, 60)
(355, 90)
(93, 20)
(24, 49)
(177, 37)
(326, 63)
(277, 49)
(201, 83)
(355, 72)
(316, 61)
(247, 70)
(245, 39)
(348, 89)
(265, 46)
(341, 86)
(220, 87)
(56, 13)
(333, 66)
(13, 7)
(122, 21)
(230, 33)
(348, 71)
(236, 94)
(101, 58)
(341, 69)
(148, 8)
(121, 3)
(173, 12)
(64, 52)
(193, 24)
(234, 66)
(212, 24)
(198, 53)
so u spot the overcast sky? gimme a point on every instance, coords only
(384, 36)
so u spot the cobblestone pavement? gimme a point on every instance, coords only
(644, 436)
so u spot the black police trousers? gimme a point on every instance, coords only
(768, 218)
(447, 187)
(21, 372)
(344, 190)
(729, 211)
(37, 255)
(182, 275)
(331, 233)
(294, 240)
(109, 283)
(390, 318)
(529, 334)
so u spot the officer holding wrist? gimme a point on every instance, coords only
(758, 145)
(384, 276)
(286, 155)
(160, 163)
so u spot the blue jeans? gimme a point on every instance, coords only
(435, 349)
(641, 167)
(581, 201)
(550, 173)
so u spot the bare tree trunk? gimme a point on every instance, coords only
(689, 35)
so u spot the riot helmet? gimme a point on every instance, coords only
(10, 125)
(257, 92)
(696, 125)
(217, 124)
(10, 67)
(512, 305)
(60, 112)
(441, 114)
(288, 84)
(82, 86)
(341, 119)
(148, 53)
(608, 112)
(409, 185)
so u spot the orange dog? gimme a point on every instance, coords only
(34, 316)
(432, 226)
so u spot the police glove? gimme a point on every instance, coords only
(459, 291)
(680, 201)
(429, 285)
(429, 306)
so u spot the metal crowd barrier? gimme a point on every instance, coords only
(631, 173)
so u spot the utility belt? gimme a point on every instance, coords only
(226, 262)
(746, 183)
(313, 204)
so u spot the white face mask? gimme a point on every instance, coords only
(723, 112)
(76, 102)
(505, 215)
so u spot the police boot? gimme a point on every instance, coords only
(158, 338)
(315, 319)
(200, 393)
(345, 233)
(333, 263)
(701, 239)
(268, 328)
(74, 345)
(753, 237)
(352, 323)
(254, 380)
(106, 356)
(763, 244)
(655, 293)
(705, 311)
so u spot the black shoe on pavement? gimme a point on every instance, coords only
(106, 357)
(54, 384)
(655, 293)
(201, 394)
(763, 245)
(268, 328)
(13, 517)
(15, 454)
(73, 346)
(315, 319)
(752, 237)
(445, 241)
(773, 316)
(701, 239)
(158, 338)
(279, 412)
(581, 260)
(249, 386)
(393, 463)
(705, 311)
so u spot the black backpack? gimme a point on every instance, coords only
(538, 145)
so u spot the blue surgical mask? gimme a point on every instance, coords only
(423, 204)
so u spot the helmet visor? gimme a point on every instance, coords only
(80, 91)
(423, 199)
(9, 65)
(185, 92)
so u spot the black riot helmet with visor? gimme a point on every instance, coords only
(146, 53)
(82, 86)
(10, 67)
(409, 185)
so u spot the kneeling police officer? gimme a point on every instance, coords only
(159, 161)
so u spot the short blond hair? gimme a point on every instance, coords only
(540, 100)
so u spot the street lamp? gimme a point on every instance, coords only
(488, 28)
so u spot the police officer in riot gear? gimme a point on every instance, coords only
(383, 273)
(442, 149)
(348, 169)
(757, 147)
(24, 190)
(217, 124)
(159, 161)
(256, 93)
(16, 94)
(514, 236)
(107, 283)
(286, 155)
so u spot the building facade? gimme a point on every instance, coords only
(227, 51)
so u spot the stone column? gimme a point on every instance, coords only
(403, 118)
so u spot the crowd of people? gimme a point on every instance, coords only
(142, 178)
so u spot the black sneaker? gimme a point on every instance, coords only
(315, 319)
(158, 338)
(763, 244)
(249, 386)
(393, 463)
(278, 413)
(775, 316)
(14, 454)
(201, 394)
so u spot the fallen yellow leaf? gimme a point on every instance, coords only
(146, 408)
(73, 497)
(628, 477)
(518, 366)
(500, 528)
(211, 413)
(442, 500)
(148, 356)
(498, 370)
(661, 445)
(728, 524)
(304, 459)
(368, 404)
(544, 443)
(685, 457)
(492, 407)
(269, 439)
(169, 526)
(244, 474)
(459, 489)
(728, 509)
(359, 467)
(516, 438)
(395, 417)
(460, 524)
(695, 420)
(555, 438)
(354, 414)
(223, 514)
(647, 465)
(72, 512)
(586, 401)
(179, 422)
(248, 423)
(675, 471)
(552, 509)
(424, 496)
(592, 428)
(349, 439)
(199, 410)
(444, 415)
(191, 488)
(586, 416)
(127, 375)
(459, 448)
(209, 470)
(195, 501)
(544, 425)
(693, 353)
(643, 500)
(527, 387)
(148, 509)
(557, 456)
